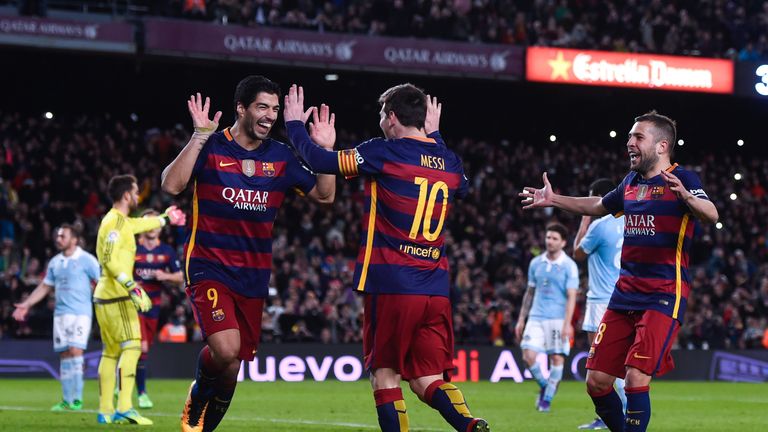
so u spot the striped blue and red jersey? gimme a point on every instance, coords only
(658, 233)
(410, 187)
(237, 194)
(148, 262)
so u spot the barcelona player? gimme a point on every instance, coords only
(659, 201)
(411, 181)
(553, 282)
(599, 242)
(156, 265)
(239, 178)
(118, 297)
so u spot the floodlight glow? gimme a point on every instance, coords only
(740, 142)
(737, 176)
(680, 142)
(733, 197)
(719, 225)
(48, 115)
(331, 77)
(552, 138)
(612, 134)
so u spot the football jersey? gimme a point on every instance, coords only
(410, 186)
(602, 243)
(658, 233)
(148, 262)
(552, 280)
(237, 194)
(71, 277)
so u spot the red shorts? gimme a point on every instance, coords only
(148, 329)
(412, 334)
(640, 339)
(218, 308)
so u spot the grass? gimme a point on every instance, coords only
(337, 406)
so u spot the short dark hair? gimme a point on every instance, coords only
(601, 187)
(558, 228)
(408, 102)
(666, 127)
(249, 87)
(119, 185)
(72, 230)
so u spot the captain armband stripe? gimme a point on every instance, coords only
(348, 162)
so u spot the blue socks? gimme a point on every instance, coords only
(390, 407)
(555, 375)
(448, 400)
(76, 365)
(608, 407)
(538, 376)
(141, 374)
(638, 409)
(66, 375)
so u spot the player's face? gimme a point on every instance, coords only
(554, 242)
(64, 239)
(260, 116)
(134, 202)
(385, 124)
(642, 148)
(154, 234)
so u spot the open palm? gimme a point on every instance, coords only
(199, 112)
(322, 130)
(537, 198)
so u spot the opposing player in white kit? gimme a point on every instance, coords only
(600, 242)
(70, 274)
(553, 282)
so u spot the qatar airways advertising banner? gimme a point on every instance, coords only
(643, 71)
(294, 362)
(343, 50)
(67, 34)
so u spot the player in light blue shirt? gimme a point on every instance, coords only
(70, 274)
(553, 283)
(600, 242)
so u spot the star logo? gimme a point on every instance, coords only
(560, 67)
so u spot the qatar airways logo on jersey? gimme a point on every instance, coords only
(639, 225)
(246, 199)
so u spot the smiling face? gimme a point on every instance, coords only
(259, 117)
(643, 147)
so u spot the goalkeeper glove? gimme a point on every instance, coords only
(175, 215)
(140, 299)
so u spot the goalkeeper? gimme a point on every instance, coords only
(117, 298)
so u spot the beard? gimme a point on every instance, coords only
(646, 164)
(249, 124)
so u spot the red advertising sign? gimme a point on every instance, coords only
(614, 69)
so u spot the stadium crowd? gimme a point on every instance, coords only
(711, 28)
(56, 171)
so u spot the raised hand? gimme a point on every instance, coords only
(675, 185)
(199, 112)
(432, 121)
(537, 198)
(294, 105)
(322, 129)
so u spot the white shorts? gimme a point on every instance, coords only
(593, 314)
(545, 337)
(71, 330)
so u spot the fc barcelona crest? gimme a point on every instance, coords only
(249, 167)
(642, 191)
(268, 169)
(218, 315)
(150, 258)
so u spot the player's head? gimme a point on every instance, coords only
(124, 188)
(151, 234)
(600, 187)
(556, 237)
(257, 103)
(67, 237)
(404, 105)
(652, 138)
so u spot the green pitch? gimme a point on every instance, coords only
(340, 407)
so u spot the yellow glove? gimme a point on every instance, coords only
(140, 299)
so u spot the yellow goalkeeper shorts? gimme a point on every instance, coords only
(118, 320)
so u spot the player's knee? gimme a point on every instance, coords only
(226, 356)
(636, 378)
(598, 384)
(529, 357)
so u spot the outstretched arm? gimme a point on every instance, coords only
(39, 293)
(176, 175)
(545, 197)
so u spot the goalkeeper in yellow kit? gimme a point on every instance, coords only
(117, 298)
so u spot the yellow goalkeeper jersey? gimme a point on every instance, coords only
(116, 251)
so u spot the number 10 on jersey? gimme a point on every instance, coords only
(428, 198)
